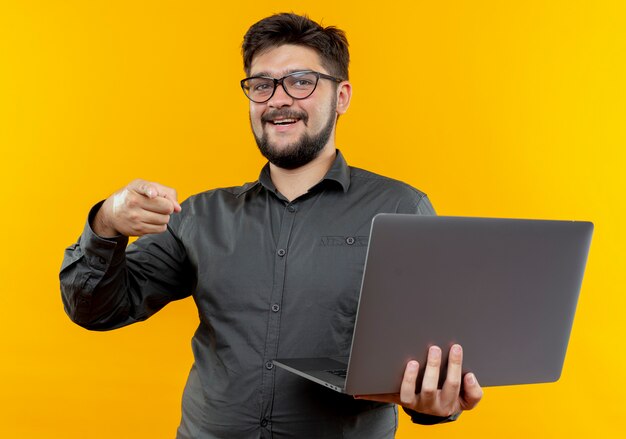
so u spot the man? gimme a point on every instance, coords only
(274, 266)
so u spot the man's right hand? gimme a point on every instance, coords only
(140, 208)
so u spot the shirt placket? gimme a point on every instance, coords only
(281, 256)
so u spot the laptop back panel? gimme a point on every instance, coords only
(506, 290)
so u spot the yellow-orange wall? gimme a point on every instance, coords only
(494, 108)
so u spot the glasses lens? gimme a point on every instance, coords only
(258, 89)
(300, 85)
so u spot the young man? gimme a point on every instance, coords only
(274, 266)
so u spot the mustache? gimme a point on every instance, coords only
(285, 114)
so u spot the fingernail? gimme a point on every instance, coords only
(471, 379)
(456, 349)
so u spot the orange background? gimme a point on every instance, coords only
(512, 109)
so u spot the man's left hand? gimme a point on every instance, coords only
(457, 394)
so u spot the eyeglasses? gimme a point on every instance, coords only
(298, 85)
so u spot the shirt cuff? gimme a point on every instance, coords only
(424, 419)
(101, 252)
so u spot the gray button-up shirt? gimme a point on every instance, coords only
(271, 278)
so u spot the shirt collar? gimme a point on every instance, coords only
(339, 172)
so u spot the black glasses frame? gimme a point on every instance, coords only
(280, 81)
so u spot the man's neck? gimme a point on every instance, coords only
(293, 183)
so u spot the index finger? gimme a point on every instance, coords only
(170, 194)
(152, 190)
(158, 204)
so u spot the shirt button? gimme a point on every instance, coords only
(263, 422)
(281, 252)
(291, 208)
(269, 365)
(350, 240)
(275, 307)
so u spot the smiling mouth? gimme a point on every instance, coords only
(283, 122)
(284, 118)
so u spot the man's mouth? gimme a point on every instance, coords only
(284, 119)
(283, 122)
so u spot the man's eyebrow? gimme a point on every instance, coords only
(259, 74)
(284, 73)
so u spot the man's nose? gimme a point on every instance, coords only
(280, 98)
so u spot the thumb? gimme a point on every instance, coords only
(149, 190)
(145, 188)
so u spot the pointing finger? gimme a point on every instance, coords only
(153, 190)
(157, 205)
(170, 194)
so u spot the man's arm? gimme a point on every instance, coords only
(106, 286)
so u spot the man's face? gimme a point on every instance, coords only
(292, 132)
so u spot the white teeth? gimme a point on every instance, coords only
(284, 121)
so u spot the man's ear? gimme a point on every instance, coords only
(344, 94)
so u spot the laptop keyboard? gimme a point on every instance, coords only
(339, 372)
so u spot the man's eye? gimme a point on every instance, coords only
(262, 86)
(303, 83)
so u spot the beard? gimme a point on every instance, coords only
(303, 150)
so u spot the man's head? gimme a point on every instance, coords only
(290, 126)
(330, 43)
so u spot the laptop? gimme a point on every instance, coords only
(505, 289)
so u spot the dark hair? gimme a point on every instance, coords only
(287, 28)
